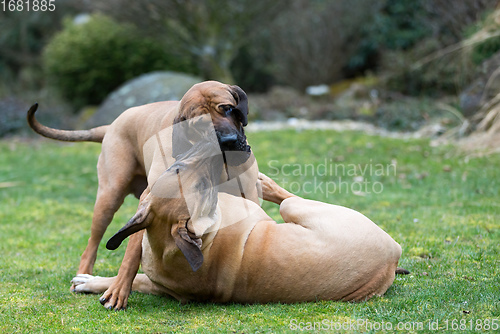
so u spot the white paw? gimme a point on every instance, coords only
(81, 282)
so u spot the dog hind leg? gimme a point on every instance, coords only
(116, 168)
(293, 209)
(271, 191)
(107, 203)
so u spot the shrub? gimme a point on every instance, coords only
(312, 41)
(485, 50)
(403, 27)
(428, 68)
(392, 25)
(23, 36)
(87, 61)
(448, 74)
(484, 32)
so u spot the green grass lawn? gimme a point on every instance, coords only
(441, 206)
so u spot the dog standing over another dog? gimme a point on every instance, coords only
(121, 167)
(230, 250)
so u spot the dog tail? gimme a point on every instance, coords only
(402, 271)
(94, 135)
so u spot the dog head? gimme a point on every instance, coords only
(182, 202)
(181, 206)
(228, 107)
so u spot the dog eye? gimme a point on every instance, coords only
(228, 111)
(231, 112)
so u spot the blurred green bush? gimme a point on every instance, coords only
(479, 30)
(403, 33)
(85, 62)
(434, 67)
(393, 25)
(444, 75)
(485, 50)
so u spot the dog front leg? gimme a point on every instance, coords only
(116, 296)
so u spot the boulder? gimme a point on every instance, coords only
(12, 115)
(147, 88)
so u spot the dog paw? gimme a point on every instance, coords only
(264, 178)
(82, 283)
(268, 185)
(271, 191)
(115, 298)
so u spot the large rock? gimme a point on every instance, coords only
(147, 88)
(12, 115)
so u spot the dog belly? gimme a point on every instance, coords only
(288, 263)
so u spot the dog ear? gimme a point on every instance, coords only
(138, 222)
(242, 103)
(191, 248)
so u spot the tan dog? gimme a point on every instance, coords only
(322, 252)
(122, 166)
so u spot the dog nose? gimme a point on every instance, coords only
(228, 140)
